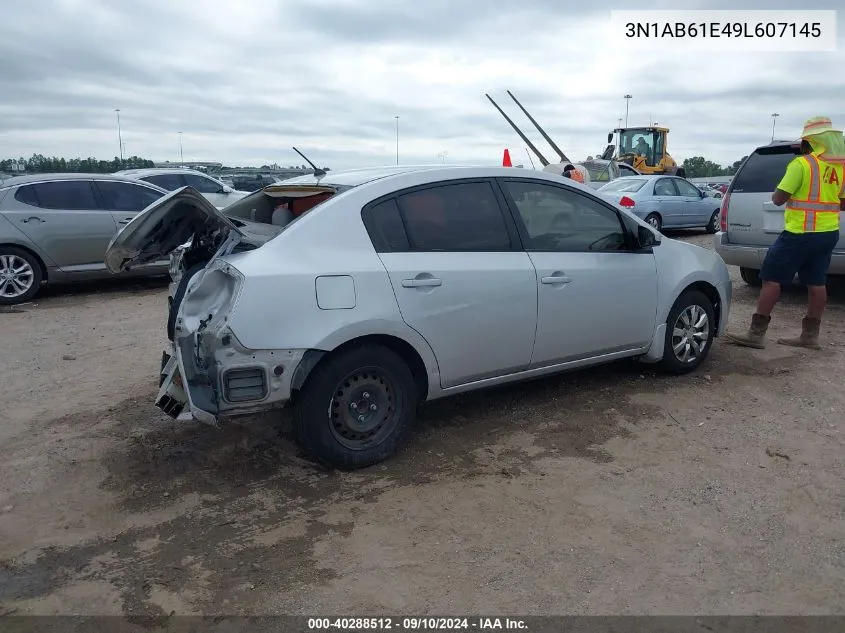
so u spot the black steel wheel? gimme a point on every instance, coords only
(356, 407)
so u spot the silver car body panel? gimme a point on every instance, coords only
(320, 284)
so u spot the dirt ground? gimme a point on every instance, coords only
(610, 491)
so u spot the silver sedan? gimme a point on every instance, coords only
(54, 228)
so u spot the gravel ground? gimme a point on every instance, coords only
(610, 491)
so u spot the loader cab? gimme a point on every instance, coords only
(644, 148)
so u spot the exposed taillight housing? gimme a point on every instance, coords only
(723, 213)
(627, 202)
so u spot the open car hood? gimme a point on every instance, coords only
(164, 226)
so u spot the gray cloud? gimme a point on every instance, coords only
(245, 81)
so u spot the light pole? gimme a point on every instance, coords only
(181, 155)
(775, 115)
(397, 138)
(627, 101)
(119, 137)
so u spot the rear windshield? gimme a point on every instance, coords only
(763, 170)
(629, 186)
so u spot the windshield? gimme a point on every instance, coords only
(599, 172)
(624, 185)
(639, 141)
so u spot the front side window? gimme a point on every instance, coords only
(560, 220)
(454, 217)
(202, 184)
(168, 182)
(687, 189)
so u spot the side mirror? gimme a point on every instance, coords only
(646, 237)
(227, 189)
(610, 137)
(702, 194)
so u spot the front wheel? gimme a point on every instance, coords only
(713, 225)
(690, 329)
(356, 408)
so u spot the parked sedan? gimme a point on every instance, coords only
(664, 202)
(218, 193)
(408, 284)
(54, 228)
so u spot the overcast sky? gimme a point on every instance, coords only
(244, 80)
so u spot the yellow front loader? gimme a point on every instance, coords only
(644, 149)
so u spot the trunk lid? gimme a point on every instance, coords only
(165, 225)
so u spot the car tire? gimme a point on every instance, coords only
(713, 225)
(681, 173)
(17, 259)
(684, 315)
(751, 276)
(654, 220)
(326, 425)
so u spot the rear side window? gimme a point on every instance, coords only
(70, 195)
(458, 217)
(26, 194)
(169, 182)
(384, 225)
(763, 170)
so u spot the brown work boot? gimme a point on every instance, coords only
(755, 335)
(809, 337)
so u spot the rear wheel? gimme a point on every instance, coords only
(690, 329)
(20, 276)
(713, 225)
(654, 220)
(751, 276)
(681, 172)
(356, 407)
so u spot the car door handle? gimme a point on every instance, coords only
(422, 283)
(31, 218)
(556, 279)
(124, 221)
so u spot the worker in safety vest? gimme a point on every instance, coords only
(813, 189)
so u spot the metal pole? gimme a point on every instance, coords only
(775, 115)
(627, 101)
(397, 139)
(181, 155)
(119, 137)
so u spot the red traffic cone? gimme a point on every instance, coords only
(506, 159)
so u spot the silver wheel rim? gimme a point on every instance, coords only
(691, 334)
(16, 276)
(714, 224)
(654, 222)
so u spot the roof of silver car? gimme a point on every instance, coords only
(160, 170)
(355, 177)
(31, 178)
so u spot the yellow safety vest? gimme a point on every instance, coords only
(814, 208)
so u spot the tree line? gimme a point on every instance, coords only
(700, 167)
(40, 164)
